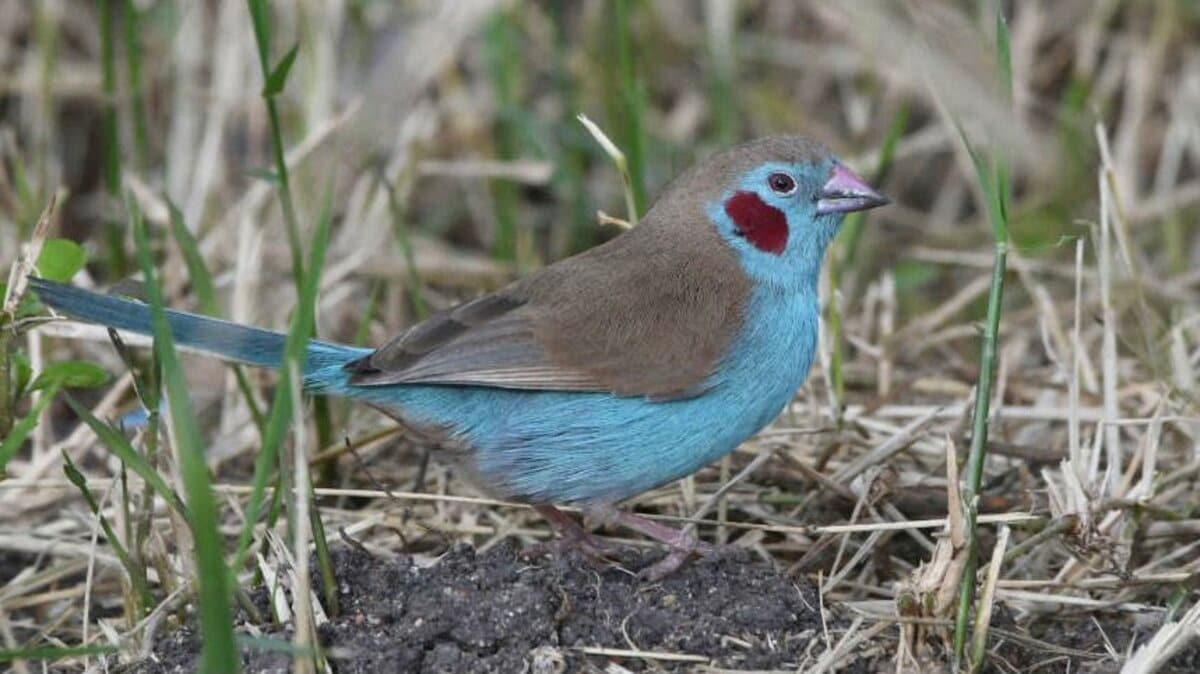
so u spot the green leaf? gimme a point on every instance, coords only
(197, 272)
(70, 374)
(278, 77)
(60, 259)
(259, 17)
(80, 483)
(21, 430)
(1003, 52)
(22, 372)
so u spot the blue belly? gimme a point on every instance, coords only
(559, 447)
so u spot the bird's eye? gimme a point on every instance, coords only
(781, 183)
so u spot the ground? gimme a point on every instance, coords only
(500, 612)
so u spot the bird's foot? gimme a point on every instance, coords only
(681, 542)
(571, 536)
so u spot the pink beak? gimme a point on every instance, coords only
(845, 192)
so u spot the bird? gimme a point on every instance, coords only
(606, 374)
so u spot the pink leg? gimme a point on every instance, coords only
(681, 543)
(570, 536)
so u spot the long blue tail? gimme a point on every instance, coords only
(230, 341)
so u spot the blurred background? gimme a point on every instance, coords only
(444, 137)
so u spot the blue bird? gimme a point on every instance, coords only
(609, 373)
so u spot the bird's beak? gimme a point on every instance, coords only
(845, 192)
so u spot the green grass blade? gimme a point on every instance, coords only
(52, 653)
(137, 576)
(108, 72)
(572, 159)
(198, 274)
(202, 283)
(277, 78)
(852, 226)
(400, 230)
(116, 262)
(274, 80)
(147, 390)
(131, 19)
(631, 98)
(214, 589)
(1004, 52)
(324, 559)
(21, 430)
(722, 34)
(504, 65)
(130, 457)
(363, 332)
(294, 352)
(992, 172)
(260, 18)
(846, 251)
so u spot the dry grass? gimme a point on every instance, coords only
(1094, 456)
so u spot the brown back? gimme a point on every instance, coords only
(650, 313)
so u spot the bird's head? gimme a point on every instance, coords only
(778, 202)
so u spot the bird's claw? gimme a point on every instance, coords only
(571, 536)
(591, 546)
(681, 543)
(682, 547)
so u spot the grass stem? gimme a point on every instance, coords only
(843, 254)
(274, 79)
(295, 350)
(630, 96)
(214, 586)
(992, 171)
(619, 159)
(504, 62)
(131, 20)
(110, 134)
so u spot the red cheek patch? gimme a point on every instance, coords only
(761, 224)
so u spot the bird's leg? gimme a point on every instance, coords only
(682, 543)
(570, 536)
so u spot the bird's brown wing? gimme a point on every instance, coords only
(490, 341)
(634, 317)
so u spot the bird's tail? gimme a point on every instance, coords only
(230, 341)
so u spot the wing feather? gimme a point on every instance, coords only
(650, 314)
(471, 348)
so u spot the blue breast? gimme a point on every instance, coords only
(558, 447)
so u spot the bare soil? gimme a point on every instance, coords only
(498, 612)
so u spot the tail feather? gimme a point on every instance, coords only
(230, 341)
